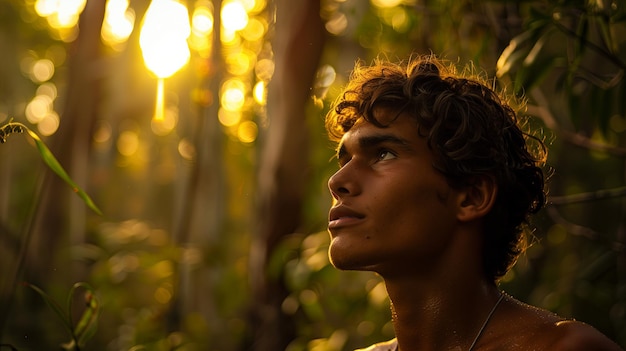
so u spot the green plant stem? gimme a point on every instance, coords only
(614, 59)
(6, 297)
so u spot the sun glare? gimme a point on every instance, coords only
(163, 37)
(119, 21)
(62, 16)
(60, 13)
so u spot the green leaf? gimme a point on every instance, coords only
(52, 162)
(54, 306)
(536, 73)
(605, 31)
(601, 103)
(581, 34)
(513, 53)
(87, 324)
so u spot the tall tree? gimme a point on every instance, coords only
(298, 42)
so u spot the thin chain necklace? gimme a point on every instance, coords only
(482, 328)
(480, 332)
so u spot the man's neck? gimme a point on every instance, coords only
(445, 314)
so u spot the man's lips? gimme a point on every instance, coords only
(341, 215)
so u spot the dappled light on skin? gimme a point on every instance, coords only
(118, 24)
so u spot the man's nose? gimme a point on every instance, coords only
(344, 182)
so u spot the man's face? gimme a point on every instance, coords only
(392, 210)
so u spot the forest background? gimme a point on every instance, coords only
(212, 234)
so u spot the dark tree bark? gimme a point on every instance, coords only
(61, 215)
(298, 43)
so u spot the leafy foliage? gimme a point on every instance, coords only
(86, 325)
(48, 158)
(567, 57)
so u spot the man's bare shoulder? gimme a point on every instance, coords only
(572, 335)
(390, 345)
(525, 327)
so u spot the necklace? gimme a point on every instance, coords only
(480, 332)
(482, 328)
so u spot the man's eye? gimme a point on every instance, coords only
(385, 155)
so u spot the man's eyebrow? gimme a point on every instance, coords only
(370, 141)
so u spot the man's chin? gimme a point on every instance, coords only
(348, 263)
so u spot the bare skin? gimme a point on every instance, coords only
(394, 214)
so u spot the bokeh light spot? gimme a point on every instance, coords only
(128, 143)
(119, 21)
(260, 93)
(233, 95)
(228, 118)
(38, 108)
(234, 16)
(247, 132)
(42, 70)
(186, 149)
(49, 124)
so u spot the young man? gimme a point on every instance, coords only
(435, 187)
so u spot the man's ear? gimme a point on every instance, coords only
(477, 198)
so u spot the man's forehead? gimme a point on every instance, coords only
(364, 134)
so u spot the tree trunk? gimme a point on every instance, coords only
(61, 214)
(298, 43)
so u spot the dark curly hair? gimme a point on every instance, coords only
(472, 130)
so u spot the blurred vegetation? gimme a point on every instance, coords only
(190, 252)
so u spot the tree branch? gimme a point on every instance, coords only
(573, 138)
(579, 230)
(588, 196)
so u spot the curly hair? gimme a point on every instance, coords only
(471, 129)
